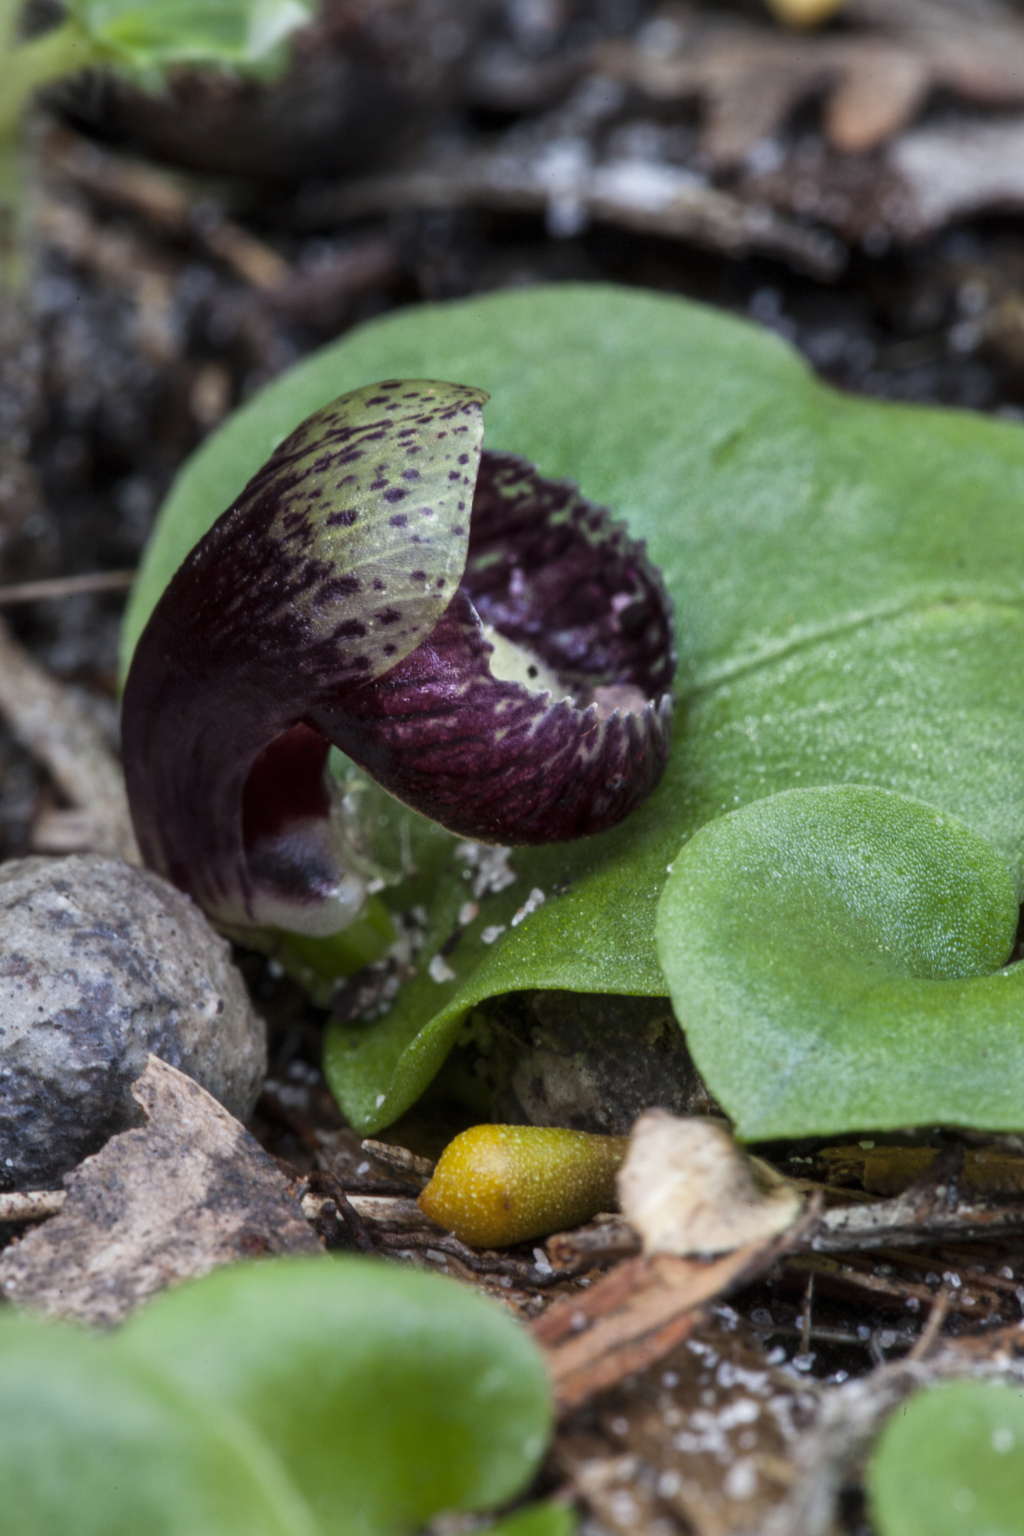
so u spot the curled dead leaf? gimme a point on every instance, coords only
(688, 1189)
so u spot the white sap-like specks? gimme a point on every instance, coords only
(439, 970)
(535, 899)
(487, 867)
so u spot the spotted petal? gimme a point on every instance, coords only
(525, 705)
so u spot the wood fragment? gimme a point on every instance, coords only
(160, 198)
(399, 1160)
(49, 722)
(32, 1204)
(598, 1243)
(892, 1170)
(874, 76)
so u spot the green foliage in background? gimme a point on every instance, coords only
(143, 38)
(295, 1397)
(848, 580)
(950, 1462)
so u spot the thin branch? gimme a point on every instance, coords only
(936, 1317)
(65, 586)
(31, 1205)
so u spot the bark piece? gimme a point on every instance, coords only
(688, 1189)
(99, 965)
(168, 1202)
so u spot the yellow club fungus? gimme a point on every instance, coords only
(501, 1184)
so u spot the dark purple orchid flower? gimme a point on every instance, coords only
(484, 642)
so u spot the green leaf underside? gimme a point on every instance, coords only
(950, 1462)
(848, 580)
(287, 1398)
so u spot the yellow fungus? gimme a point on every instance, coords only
(501, 1184)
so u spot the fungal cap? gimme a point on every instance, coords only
(495, 1185)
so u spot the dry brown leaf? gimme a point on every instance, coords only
(872, 79)
(171, 1201)
(688, 1189)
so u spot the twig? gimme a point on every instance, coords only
(914, 1219)
(936, 1317)
(142, 189)
(805, 1322)
(49, 722)
(65, 586)
(650, 198)
(31, 1205)
(642, 1310)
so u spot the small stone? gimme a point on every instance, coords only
(101, 964)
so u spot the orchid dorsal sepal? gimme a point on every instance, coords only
(486, 644)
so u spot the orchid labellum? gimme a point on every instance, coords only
(484, 642)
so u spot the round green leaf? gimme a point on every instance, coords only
(837, 959)
(92, 1445)
(950, 1462)
(389, 1395)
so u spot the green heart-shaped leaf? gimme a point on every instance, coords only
(389, 1395)
(834, 951)
(950, 1462)
(848, 580)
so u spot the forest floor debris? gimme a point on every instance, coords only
(189, 1190)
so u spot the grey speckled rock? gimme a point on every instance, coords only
(100, 964)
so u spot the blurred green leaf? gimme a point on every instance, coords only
(536, 1520)
(950, 1462)
(849, 587)
(389, 1395)
(147, 35)
(93, 1445)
